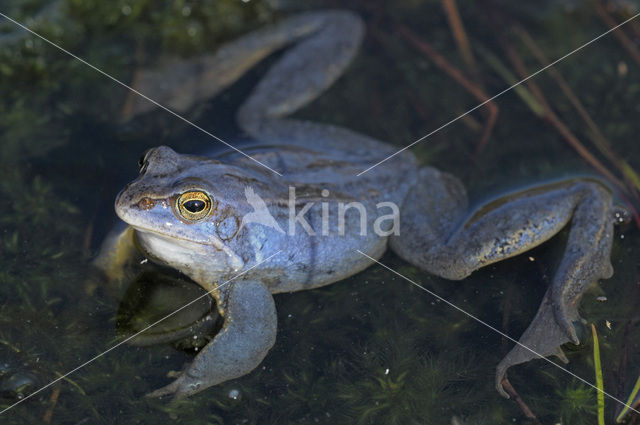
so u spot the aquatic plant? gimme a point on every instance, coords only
(597, 366)
(576, 403)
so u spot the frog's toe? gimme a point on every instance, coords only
(170, 389)
(182, 387)
(564, 319)
(544, 337)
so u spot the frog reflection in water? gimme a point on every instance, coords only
(185, 211)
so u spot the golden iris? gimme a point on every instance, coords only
(193, 205)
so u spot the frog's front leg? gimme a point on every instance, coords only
(439, 236)
(249, 331)
(117, 253)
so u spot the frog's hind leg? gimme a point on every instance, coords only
(249, 331)
(179, 83)
(430, 213)
(305, 70)
(438, 235)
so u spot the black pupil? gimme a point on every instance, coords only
(194, 205)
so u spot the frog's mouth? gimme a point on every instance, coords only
(182, 253)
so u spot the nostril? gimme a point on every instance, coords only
(146, 204)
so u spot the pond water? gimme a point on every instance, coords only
(372, 349)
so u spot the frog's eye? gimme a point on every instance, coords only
(193, 205)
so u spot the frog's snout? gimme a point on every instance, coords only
(120, 204)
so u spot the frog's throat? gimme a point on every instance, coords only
(234, 260)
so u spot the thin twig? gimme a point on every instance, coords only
(601, 142)
(459, 77)
(492, 109)
(635, 28)
(459, 34)
(53, 400)
(554, 120)
(130, 99)
(626, 343)
(506, 314)
(626, 42)
(516, 397)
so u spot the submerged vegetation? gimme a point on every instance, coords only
(577, 403)
(373, 349)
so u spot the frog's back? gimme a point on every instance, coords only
(345, 209)
(329, 157)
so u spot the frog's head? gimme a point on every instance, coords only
(186, 211)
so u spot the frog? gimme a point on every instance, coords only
(188, 212)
